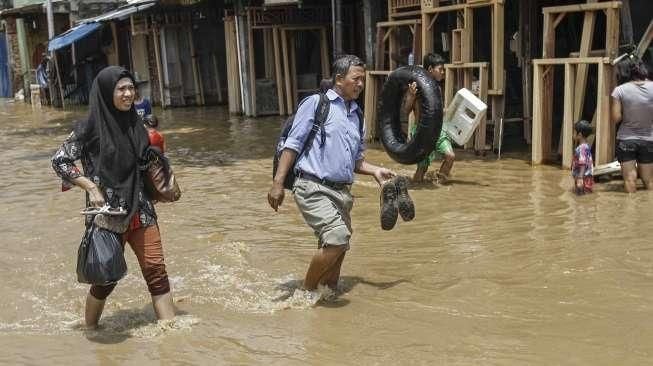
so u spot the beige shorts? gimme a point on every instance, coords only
(326, 211)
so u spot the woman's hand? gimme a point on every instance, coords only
(96, 197)
(412, 88)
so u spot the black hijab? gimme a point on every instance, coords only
(116, 143)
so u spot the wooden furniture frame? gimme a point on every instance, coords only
(386, 33)
(403, 8)
(465, 32)
(279, 27)
(555, 14)
(373, 82)
(543, 110)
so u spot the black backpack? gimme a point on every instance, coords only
(321, 114)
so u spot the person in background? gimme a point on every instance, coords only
(142, 105)
(581, 166)
(42, 75)
(632, 105)
(434, 64)
(143, 108)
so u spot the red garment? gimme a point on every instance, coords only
(156, 139)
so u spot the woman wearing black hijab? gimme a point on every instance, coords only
(112, 145)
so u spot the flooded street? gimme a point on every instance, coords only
(505, 266)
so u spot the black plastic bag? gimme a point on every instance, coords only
(100, 258)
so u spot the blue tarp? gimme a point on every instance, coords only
(73, 35)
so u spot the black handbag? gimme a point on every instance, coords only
(100, 257)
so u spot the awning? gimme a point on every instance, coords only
(123, 11)
(90, 25)
(73, 35)
(58, 7)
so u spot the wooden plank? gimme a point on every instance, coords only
(56, 68)
(324, 53)
(392, 48)
(591, 53)
(199, 87)
(581, 7)
(456, 45)
(466, 65)
(379, 58)
(467, 83)
(157, 56)
(468, 39)
(293, 69)
(604, 129)
(427, 34)
(417, 44)
(581, 74)
(548, 32)
(396, 23)
(456, 7)
(567, 131)
(448, 86)
(250, 63)
(547, 110)
(114, 35)
(497, 46)
(370, 106)
(558, 19)
(612, 33)
(286, 70)
(570, 60)
(537, 147)
(479, 144)
(645, 41)
(278, 75)
(626, 23)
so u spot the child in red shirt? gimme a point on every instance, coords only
(156, 138)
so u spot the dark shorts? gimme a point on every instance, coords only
(638, 150)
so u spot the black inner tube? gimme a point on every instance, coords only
(394, 140)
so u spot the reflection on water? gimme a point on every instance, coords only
(503, 266)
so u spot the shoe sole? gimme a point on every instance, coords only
(389, 210)
(404, 202)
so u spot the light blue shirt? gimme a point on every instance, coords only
(344, 145)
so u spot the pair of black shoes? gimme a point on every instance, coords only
(395, 201)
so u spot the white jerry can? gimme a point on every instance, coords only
(463, 115)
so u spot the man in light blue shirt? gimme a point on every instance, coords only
(326, 172)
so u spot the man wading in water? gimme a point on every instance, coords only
(326, 172)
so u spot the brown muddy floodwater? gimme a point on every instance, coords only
(503, 267)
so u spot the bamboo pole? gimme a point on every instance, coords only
(277, 71)
(199, 87)
(286, 65)
(568, 120)
(157, 55)
(56, 66)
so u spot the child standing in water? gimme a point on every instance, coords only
(581, 166)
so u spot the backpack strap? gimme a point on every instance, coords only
(361, 122)
(321, 114)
